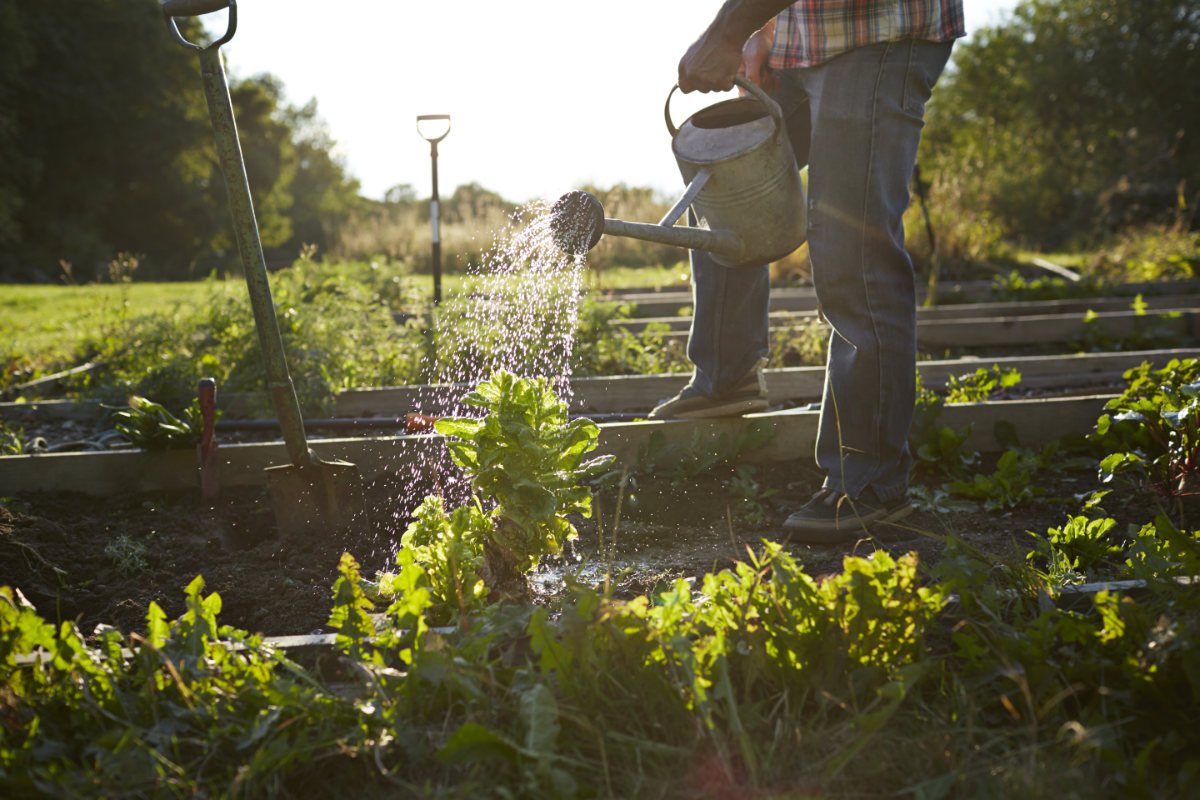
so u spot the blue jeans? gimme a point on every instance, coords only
(856, 121)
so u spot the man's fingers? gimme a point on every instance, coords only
(703, 84)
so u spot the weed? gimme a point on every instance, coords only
(122, 268)
(602, 348)
(11, 439)
(749, 496)
(1149, 253)
(127, 554)
(1009, 486)
(1013, 286)
(803, 344)
(759, 677)
(1152, 332)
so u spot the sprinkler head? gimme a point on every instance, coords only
(577, 222)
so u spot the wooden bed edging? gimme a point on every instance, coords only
(602, 395)
(788, 434)
(962, 311)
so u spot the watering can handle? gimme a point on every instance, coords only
(192, 8)
(752, 89)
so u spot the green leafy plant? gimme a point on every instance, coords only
(449, 549)
(981, 385)
(1078, 547)
(526, 463)
(11, 443)
(151, 426)
(1151, 433)
(1161, 550)
(939, 451)
(804, 344)
(1014, 286)
(749, 496)
(1010, 485)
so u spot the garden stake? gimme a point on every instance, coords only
(333, 487)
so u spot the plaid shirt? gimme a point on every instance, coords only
(812, 31)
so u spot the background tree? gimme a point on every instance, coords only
(106, 120)
(1071, 118)
(105, 147)
(324, 196)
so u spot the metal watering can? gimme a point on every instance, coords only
(743, 185)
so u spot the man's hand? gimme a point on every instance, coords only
(711, 63)
(754, 59)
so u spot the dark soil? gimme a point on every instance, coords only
(103, 560)
(97, 560)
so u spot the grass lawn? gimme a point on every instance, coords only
(45, 323)
(42, 326)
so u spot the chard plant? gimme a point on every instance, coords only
(151, 426)
(526, 461)
(449, 547)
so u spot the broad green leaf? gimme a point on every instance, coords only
(538, 711)
(473, 742)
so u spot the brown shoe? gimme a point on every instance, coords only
(833, 518)
(748, 396)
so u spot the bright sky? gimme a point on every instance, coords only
(544, 95)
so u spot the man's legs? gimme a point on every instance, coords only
(867, 110)
(727, 344)
(729, 326)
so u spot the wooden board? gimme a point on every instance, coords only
(788, 434)
(1038, 329)
(632, 393)
(670, 304)
(963, 311)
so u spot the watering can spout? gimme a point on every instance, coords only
(577, 222)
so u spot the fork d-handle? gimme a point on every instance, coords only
(192, 8)
(254, 264)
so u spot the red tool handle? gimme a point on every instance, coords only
(210, 477)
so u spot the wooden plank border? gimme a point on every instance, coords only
(789, 435)
(670, 303)
(1039, 329)
(634, 393)
(964, 311)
